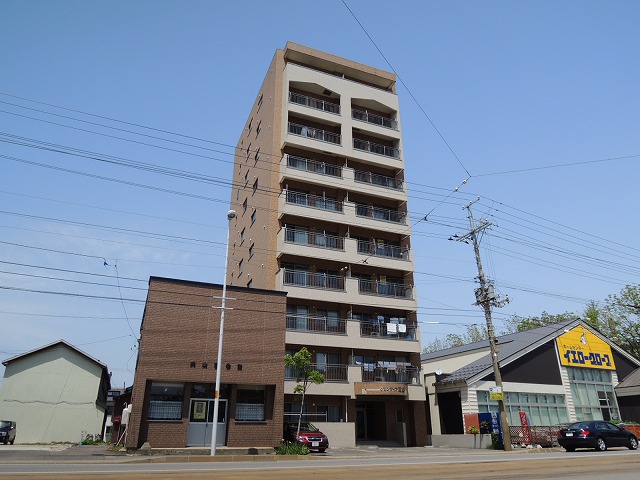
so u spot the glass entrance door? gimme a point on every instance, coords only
(201, 422)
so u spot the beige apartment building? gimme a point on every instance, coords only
(318, 186)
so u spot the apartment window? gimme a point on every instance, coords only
(254, 215)
(251, 251)
(257, 155)
(250, 284)
(255, 186)
(238, 194)
(250, 126)
(260, 98)
(165, 401)
(248, 151)
(250, 403)
(258, 127)
(246, 178)
(242, 236)
(328, 413)
(240, 267)
(244, 206)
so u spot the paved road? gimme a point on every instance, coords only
(362, 464)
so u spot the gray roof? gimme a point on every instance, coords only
(510, 347)
(631, 380)
(54, 344)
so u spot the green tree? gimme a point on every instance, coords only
(306, 376)
(619, 318)
(473, 334)
(516, 323)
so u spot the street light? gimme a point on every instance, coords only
(216, 404)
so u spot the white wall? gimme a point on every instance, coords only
(52, 396)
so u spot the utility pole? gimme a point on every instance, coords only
(486, 298)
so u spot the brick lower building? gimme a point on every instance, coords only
(174, 388)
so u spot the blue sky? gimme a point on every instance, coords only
(517, 87)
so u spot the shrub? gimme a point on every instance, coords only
(289, 448)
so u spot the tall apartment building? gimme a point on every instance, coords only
(318, 186)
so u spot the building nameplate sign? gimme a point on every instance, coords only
(381, 388)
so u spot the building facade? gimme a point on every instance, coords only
(56, 393)
(318, 186)
(551, 375)
(172, 400)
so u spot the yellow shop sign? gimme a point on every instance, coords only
(581, 348)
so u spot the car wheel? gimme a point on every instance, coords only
(601, 445)
(5, 441)
(570, 449)
(322, 450)
(15, 440)
(633, 443)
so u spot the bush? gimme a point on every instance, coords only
(289, 448)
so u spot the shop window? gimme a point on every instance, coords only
(250, 404)
(165, 401)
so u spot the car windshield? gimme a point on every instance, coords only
(304, 427)
(4, 423)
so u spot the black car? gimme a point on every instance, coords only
(7, 431)
(597, 434)
(310, 436)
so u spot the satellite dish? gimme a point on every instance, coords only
(438, 372)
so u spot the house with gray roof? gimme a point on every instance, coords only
(55, 393)
(554, 374)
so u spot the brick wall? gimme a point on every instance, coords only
(181, 326)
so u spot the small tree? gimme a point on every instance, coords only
(300, 362)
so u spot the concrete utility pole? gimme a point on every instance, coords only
(486, 297)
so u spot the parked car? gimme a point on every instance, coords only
(7, 431)
(597, 434)
(310, 435)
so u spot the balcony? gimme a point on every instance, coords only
(384, 289)
(393, 372)
(376, 148)
(382, 214)
(378, 180)
(313, 166)
(313, 201)
(374, 119)
(320, 281)
(315, 239)
(332, 373)
(315, 103)
(374, 249)
(307, 323)
(315, 133)
(392, 331)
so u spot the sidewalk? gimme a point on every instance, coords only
(21, 454)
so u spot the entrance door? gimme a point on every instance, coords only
(201, 422)
(370, 420)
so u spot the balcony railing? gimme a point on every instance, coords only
(332, 373)
(376, 148)
(307, 323)
(397, 373)
(314, 103)
(315, 133)
(314, 239)
(379, 180)
(380, 250)
(383, 214)
(314, 201)
(314, 280)
(384, 289)
(308, 165)
(373, 118)
(394, 331)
